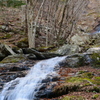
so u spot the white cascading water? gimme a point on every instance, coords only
(26, 88)
(93, 33)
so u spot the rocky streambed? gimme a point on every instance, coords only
(77, 79)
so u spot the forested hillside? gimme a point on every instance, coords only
(50, 49)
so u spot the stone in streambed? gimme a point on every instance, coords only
(13, 58)
(68, 49)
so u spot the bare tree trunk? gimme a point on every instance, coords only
(30, 23)
(36, 21)
(26, 22)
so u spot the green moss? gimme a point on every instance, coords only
(25, 40)
(13, 59)
(65, 89)
(82, 76)
(23, 43)
(96, 80)
(95, 96)
(73, 98)
(84, 79)
(87, 75)
(74, 79)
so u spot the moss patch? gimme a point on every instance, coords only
(96, 80)
(73, 98)
(95, 96)
(23, 43)
(13, 58)
(83, 81)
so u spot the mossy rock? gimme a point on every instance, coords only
(95, 60)
(23, 43)
(65, 88)
(68, 49)
(83, 81)
(96, 80)
(84, 76)
(75, 61)
(88, 75)
(73, 98)
(13, 58)
(95, 96)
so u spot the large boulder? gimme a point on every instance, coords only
(6, 49)
(93, 50)
(94, 54)
(77, 60)
(80, 39)
(68, 49)
(86, 38)
(13, 58)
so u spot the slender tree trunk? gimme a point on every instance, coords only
(26, 23)
(30, 24)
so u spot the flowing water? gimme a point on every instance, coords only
(27, 87)
(93, 33)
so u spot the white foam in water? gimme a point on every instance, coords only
(26, 87)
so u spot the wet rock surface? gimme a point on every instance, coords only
(11, 71)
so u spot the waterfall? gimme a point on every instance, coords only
(27, 87)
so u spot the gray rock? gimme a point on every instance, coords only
(14, 58)
(77, 60)
(68, 49)
(6, 49)
(93, 50)
(80, 39)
